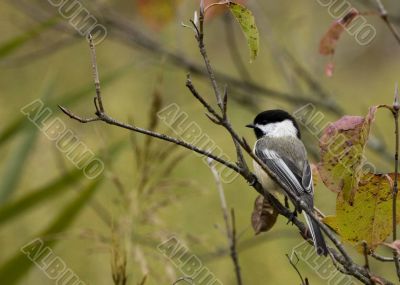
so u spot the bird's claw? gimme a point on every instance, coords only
(292, 216)
(253, 181)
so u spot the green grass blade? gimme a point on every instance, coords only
(19, 264)
(12, 129)
(15, 208)
(12, 45)
(55, 188)
(16, 163)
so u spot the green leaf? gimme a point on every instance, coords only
(342, 153)
(13, 128)
(36, 197)
(248, 25)
(17, 161)
(19, 264)
(369, 218)
(10, 46)
(16, 164)
(13, 209)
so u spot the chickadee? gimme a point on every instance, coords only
(279, 146)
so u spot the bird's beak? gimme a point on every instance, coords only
(251, 126)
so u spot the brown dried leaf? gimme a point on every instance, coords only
(264, 216)
(329, 41)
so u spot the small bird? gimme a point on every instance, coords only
(280, 147)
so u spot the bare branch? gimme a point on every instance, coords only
(385, 18)
(365, 252)
(382, 258)
(229, 224)
(99, 108)
(396, 177)
(76, 117)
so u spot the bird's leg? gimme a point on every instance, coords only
(292, 216)
(296, 210)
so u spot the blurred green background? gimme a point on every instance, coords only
(138, 205)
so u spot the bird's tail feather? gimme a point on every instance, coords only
(318, 238)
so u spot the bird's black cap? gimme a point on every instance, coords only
(272, 116)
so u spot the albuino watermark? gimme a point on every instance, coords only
(359, 28)
(189, 131)
(321, 265)
(49, 263)
(187, 263)
(80, 19)
(64, 138)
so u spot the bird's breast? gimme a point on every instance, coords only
(266, 181)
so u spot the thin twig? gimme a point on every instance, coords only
(303, 281)
(78, 118)
(365, 252)
(382, 258)
(188, 280)
(95, 75)
(229, 225)
(385, 18)
(396, 108)
(234, 254)
(200, 40)
(109, 120)
(395, 112)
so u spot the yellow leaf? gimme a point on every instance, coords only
(248, 25)
(370, 217)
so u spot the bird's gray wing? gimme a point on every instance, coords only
(297, 180)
